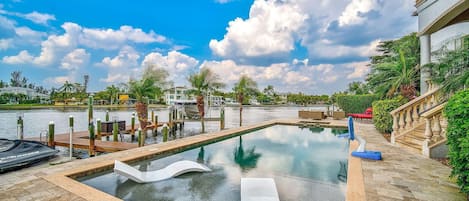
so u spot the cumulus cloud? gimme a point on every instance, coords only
(127, 57)
(5, 43)
(177, 64)
(270, 30)
(75, 59)
(22, 58)
(58, 80)
(360, 69)
(353, 12)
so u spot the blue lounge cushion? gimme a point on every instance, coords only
(372, 155)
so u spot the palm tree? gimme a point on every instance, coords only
(242, 88)
(202, 82)
(395, 77)
(112, 92)
(141, 90)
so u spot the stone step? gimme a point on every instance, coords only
(410, 146)
(414, 138)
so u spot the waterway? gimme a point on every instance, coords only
(37, 121)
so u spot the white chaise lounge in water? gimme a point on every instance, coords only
(258, 189)
(173, 170)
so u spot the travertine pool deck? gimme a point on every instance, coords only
(401, 175)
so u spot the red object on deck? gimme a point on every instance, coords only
(367, 115)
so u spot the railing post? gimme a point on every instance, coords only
(421, 109)
(415, 116)
(408, 119)
(437, 127)
(395, 128)
(401, 121)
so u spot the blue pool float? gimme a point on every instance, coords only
(360, 152)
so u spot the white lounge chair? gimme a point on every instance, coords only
(173, 170)
(258, 189)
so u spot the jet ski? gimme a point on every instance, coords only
(19, 153)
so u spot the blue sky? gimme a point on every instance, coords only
(309, 46)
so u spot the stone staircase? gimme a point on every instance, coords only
(419, 127)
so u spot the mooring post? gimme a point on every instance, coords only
(152, 116)
(90, 109)
(70, 123)
(115, 131)
(107, 115)
(98, 129)
(51, 142)
(20, 128)
(132, 126)
(91, 148)
(165, 132)
(155, 132)
(222, 118)
(170, 119)
(140, 136)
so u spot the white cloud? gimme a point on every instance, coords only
(5, 43)
(360, 69)
(268, 31)
(115, 78)
(75, 59)
(127, 57)
(39, 18)
(22, 58)
(111, 39)
(325, 50)
(177, 64)
(58, 80)
(352, 14)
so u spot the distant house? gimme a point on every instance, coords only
(30, 94)
(175, 94)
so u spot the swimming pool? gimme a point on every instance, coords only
(306, 164)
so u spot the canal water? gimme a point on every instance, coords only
(37, 120)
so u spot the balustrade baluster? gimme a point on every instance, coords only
(422, 108)
(415, 116)
(428, 129)
(408, 119)
(401, 121)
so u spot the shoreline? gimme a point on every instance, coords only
(35, 106)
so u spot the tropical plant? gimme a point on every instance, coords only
(159, 75)
(242, 89)
(456, 111)
(395, 71)
(112, 92)
(141, 90)
(202, 82)
(358, 88)
(451, 71)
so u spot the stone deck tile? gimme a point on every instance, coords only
(403, 175)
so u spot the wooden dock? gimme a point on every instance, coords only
(80, 140)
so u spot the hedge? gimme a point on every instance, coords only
(457, 114)
(382, 119)
(355, 103)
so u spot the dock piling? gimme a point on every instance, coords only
(165, 132)
(20, 128)
(70, 123)
(91, 148)
(222, 118)
(132, 128)
(115, 131)
(140, 137)
(98, 129)
(107, 115)
(51, 135)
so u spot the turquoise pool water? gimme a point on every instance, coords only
(306, 164)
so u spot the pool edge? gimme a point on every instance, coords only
(65, 179)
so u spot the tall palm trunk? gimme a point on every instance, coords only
(201, 107)
(142, 113)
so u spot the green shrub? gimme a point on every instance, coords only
(355, 103)
(457, 114)
(381, 117)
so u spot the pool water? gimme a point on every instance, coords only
(306, 164)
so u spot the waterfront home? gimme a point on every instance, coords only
(419, 125)
(30, 94)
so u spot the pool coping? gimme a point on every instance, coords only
(65, 179)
